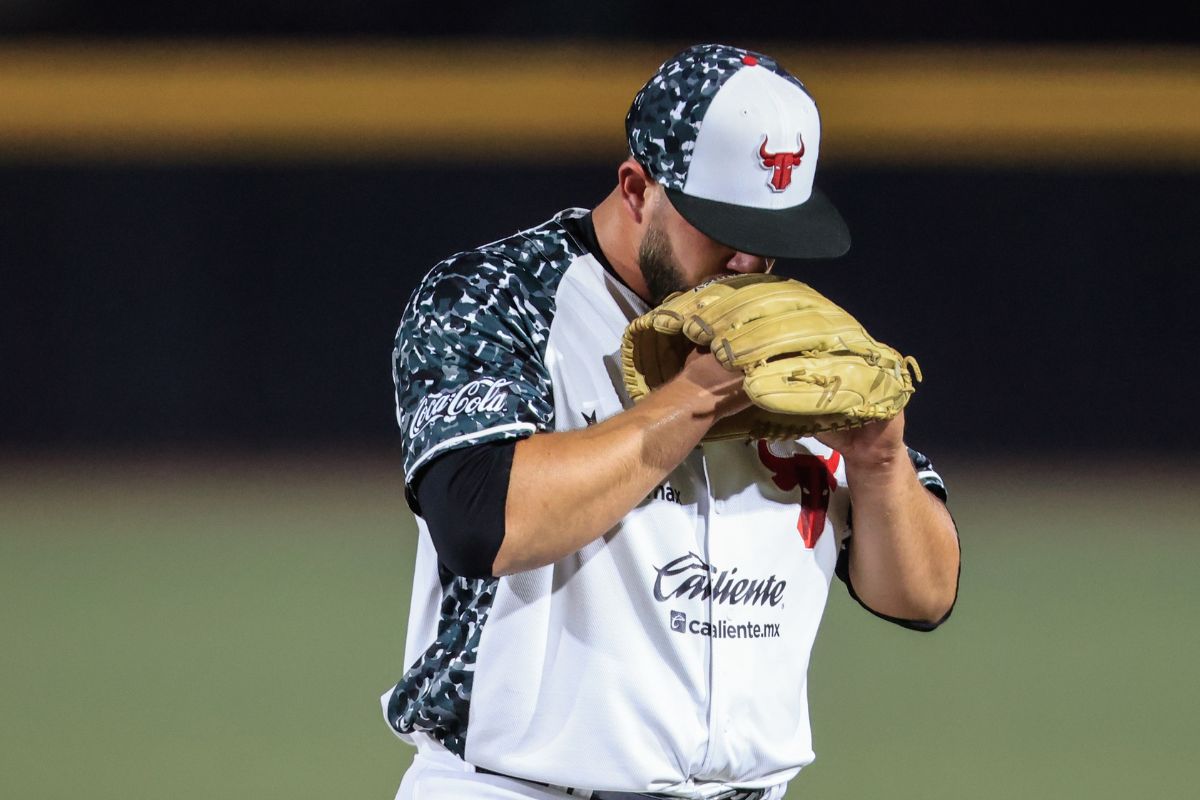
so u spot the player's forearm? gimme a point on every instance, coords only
(904, 562)
(567, 489)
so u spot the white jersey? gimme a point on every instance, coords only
(670, 655)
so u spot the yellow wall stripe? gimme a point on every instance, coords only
(471, 102)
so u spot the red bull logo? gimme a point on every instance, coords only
(780, 164)
(814, 476)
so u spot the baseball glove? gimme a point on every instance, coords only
(810, 366)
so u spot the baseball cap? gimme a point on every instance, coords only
(734, 138)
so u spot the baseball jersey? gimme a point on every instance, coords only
(671, 654)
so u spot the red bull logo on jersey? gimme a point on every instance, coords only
(814, 476)
(780, 164)
(480, 396)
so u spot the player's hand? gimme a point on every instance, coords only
(874, 445)
(721, 391)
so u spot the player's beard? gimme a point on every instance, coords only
(660, 270)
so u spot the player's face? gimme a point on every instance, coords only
(674, 256)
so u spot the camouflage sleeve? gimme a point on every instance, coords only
(468, 364)
(927, 475)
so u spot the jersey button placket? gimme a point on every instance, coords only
(712, 509)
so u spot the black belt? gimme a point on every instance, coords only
(728, 794)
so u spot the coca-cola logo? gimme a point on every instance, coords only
(690, 577)
(480, 396)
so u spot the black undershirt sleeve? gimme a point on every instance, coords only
(461, 496)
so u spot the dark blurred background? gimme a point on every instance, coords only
(212, 214)
(210, 240)
(623, 20)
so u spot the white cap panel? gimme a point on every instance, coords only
(756, 113)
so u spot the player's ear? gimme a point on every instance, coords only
(634, 184)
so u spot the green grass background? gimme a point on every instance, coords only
(220, 627)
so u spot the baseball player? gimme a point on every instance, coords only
(604, 605)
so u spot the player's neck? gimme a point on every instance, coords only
(619, 237)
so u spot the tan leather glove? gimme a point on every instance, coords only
(810, 366)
